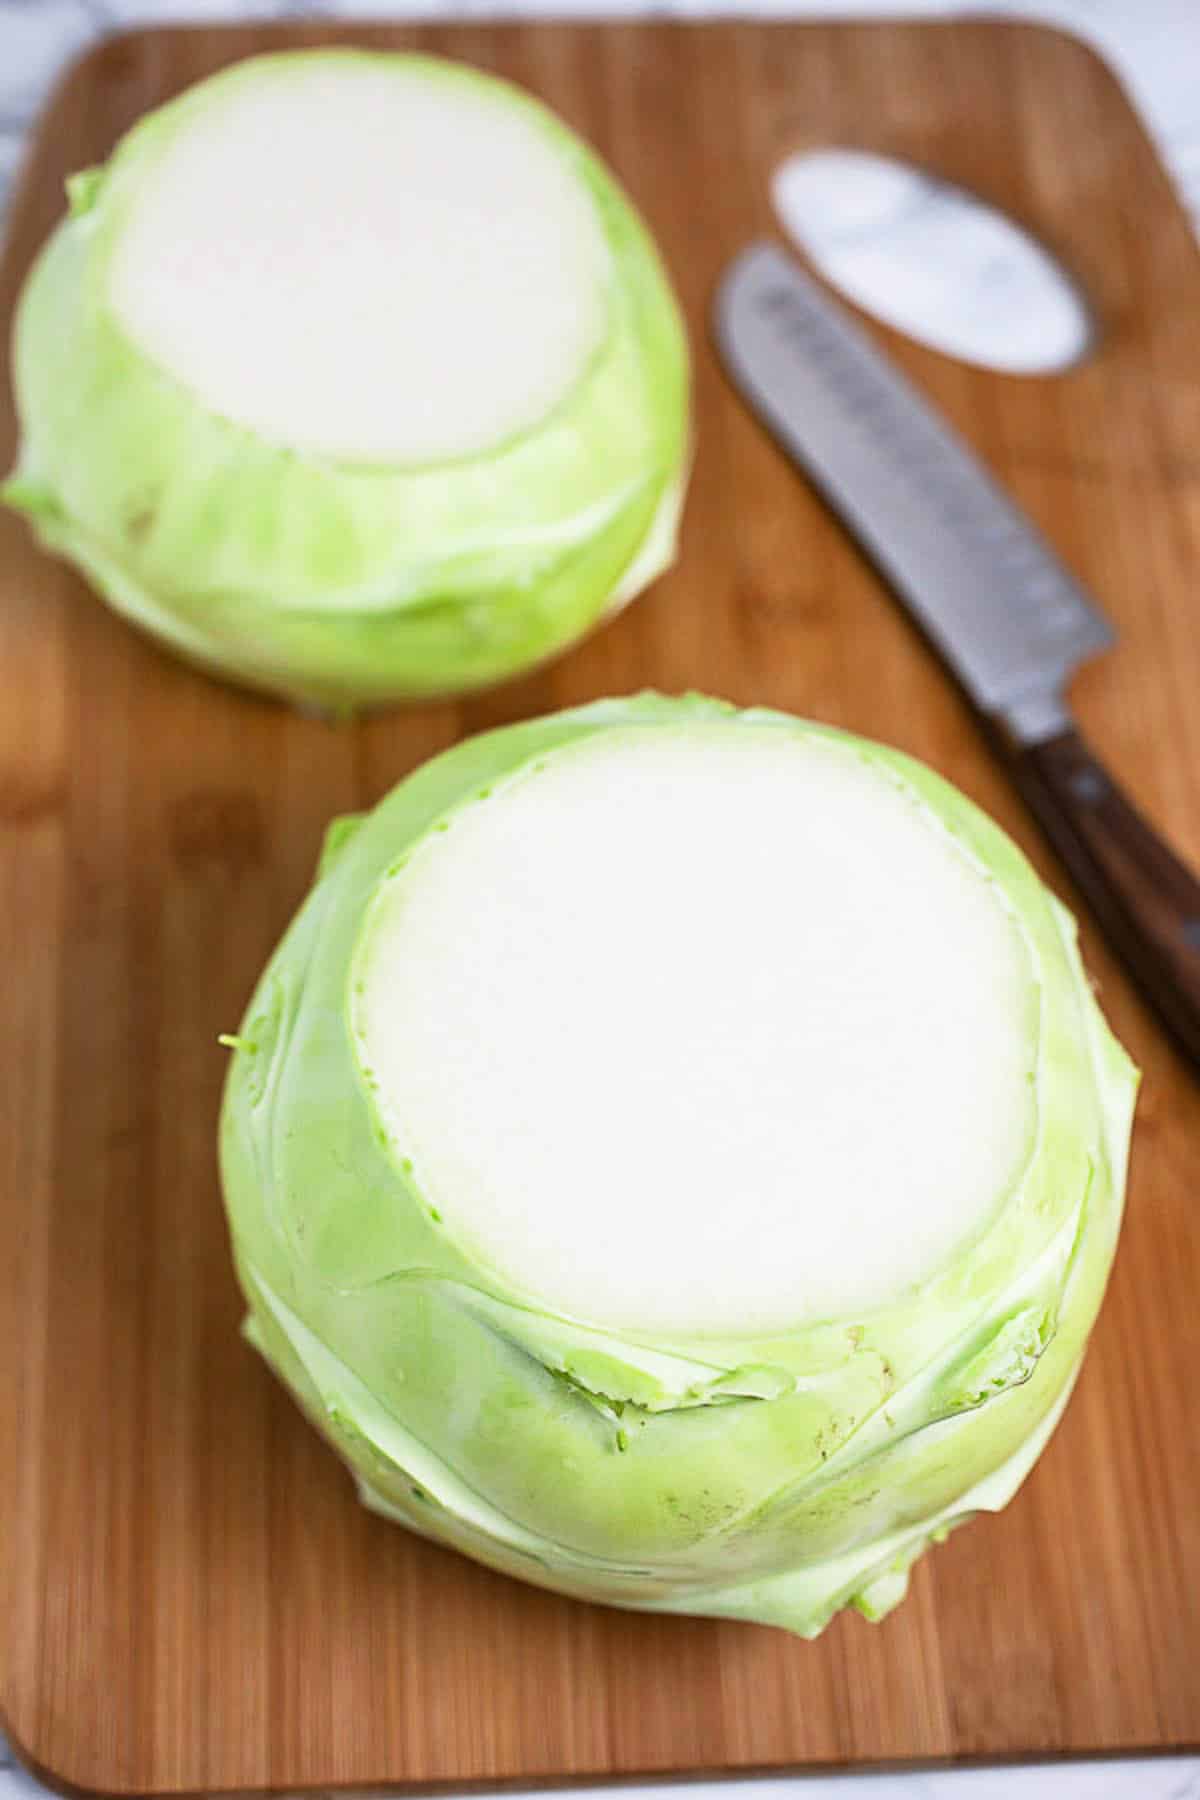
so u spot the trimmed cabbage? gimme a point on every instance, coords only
(353, 376)
(675, 1156)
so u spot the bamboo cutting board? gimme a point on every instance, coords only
(190, 1599)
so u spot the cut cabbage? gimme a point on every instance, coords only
(354, 376)
(676, 1156)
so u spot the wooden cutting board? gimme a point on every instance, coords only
(190, 1597)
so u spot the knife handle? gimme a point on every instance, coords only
(1146, 900)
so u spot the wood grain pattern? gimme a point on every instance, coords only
(189, 1596)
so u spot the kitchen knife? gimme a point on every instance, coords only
(1008, 618)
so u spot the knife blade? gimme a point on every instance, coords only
(1008, 618)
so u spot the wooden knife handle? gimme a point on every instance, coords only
(1146, 900)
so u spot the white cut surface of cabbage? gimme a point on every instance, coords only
(738, 995)
(366, 265)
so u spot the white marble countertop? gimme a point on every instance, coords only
(1155, 44)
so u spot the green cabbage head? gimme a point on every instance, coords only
(675, 1157)
(355, 377)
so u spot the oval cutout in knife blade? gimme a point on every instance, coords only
(933, 261)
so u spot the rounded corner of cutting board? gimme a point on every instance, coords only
(97, 1782)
